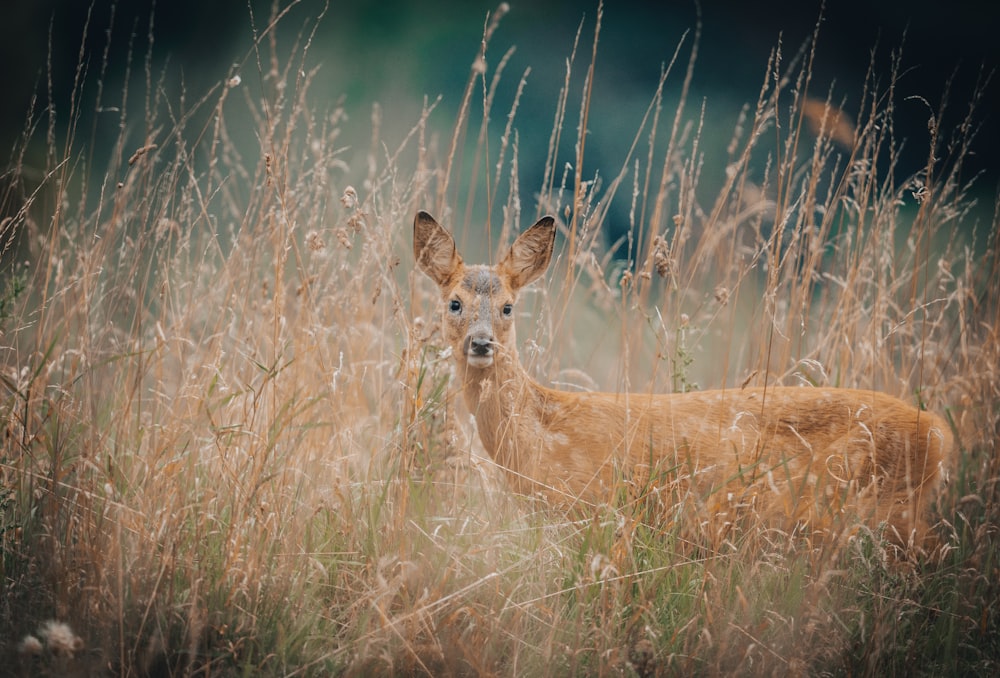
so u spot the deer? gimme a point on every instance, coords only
(812, 457)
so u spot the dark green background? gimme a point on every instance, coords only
(394, 52)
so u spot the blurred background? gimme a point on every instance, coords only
(396, 52)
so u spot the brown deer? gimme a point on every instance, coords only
(795, 456)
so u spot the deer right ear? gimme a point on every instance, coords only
(434, 249)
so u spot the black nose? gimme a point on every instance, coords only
(480, 346)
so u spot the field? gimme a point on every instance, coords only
(230, 441)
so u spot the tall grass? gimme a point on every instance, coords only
(230, 443)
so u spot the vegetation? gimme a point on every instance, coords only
(230, 445)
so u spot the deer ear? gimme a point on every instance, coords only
(434, 249)
(530, 254)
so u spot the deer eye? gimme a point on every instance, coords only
(455, 306)
(507, 310)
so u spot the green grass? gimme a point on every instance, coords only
(231, 445)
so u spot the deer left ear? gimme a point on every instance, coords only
(530, 254)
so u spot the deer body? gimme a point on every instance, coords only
(806, 455)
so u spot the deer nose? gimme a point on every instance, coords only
(480, 346)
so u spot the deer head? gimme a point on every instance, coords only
(479, 300)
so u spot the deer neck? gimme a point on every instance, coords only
(506, 403)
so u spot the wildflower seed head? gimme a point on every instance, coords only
(60, 639)
(314, 241)
(661, 261)
(350, 198)
(343, 238)
(30, 645)
(626, 280)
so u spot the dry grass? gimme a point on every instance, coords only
(230, 445)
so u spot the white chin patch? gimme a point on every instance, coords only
(479, 360)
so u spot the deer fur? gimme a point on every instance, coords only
(798, 456)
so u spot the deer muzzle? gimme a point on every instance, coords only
(479, 350)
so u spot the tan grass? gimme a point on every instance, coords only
(230, 444)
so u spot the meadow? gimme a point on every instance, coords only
(231, 445)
